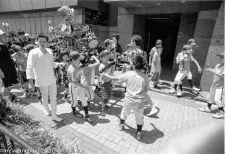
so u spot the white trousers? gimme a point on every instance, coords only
(137, 109)
(181, 75)
(216, 95)
(75, 92)
(49, 92)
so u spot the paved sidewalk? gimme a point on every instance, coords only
(176, 116)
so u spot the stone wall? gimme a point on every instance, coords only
(186, 31)
(35, 23)
(203, 34)
(125, 26)
(22, 5)
(216, 46)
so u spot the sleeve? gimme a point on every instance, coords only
(154, 57)
(31, 61)
(124, 77)
(93, 65)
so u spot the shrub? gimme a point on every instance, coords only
(44, 140)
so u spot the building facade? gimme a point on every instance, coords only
(173, 21)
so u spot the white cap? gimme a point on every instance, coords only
(1, 32)
(36, 42)
(26, 34)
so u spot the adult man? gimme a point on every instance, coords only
(40, 66)
(6, 65)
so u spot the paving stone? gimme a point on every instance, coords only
(132, 150)
(118, 148)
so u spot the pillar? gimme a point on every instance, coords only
(216, 46)
(203, 34)
(185, 32)
(125, 26)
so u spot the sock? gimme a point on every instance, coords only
(175, 87)
(209, 105)
(86, 110)
(180, 87)
(139, 128)
(73, 109)
(221, 108)
(122, 121)
(190, 82)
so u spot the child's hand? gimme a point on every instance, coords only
(200, 70)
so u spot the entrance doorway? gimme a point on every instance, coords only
(164, 27)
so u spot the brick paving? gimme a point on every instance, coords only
(176, 116)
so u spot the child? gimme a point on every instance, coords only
(86, 73)
(184, 60)
(105, 84)
(20, 58)
(1, 77)
(76, 89)
(216, 93)
(136, 93)
(64, 58)
(156, 66)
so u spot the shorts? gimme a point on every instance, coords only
(23, 77)
(181, 75)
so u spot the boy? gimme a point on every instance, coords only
(216, 94)
(156, 66)
(20, 58)
(64, 78)
(86, 74)
(184, 59)
(105, 84)
(136, 93)
(76, 89)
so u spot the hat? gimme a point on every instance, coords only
(74, 55)
(104, 53)
(26, 34)
(191, 41)
(186, 47)
(10, 34)
(221, 54)
(1, 32)
(158, 42)
(20, 32)
(158, 46)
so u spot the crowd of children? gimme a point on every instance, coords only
(77, 72)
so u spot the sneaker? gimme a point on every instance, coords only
(205, 109)
(153, 111)
(88, 118)
(78, 114)
(219, 115)
(138, 137)
(195, 89)
(56, 118)
(179, 93)
(172, 91)
(121, 127)
(107, 107)
(48, 112)
(40, 99)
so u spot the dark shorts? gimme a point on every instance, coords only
(23, 77)
(106, 91)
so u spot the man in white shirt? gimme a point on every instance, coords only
(40, 67)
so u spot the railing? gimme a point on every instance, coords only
(11, 143)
